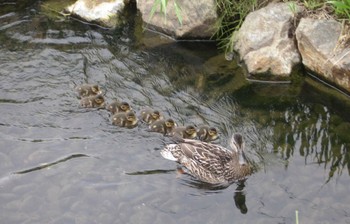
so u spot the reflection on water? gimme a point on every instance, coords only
(297, 135)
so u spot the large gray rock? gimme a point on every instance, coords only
(103, 12)
(320, 46)
(198, 18)
(264, 41)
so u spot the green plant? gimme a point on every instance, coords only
(293, 7)
(313, 4)
(341, 7)
(232, 15)
(163, 4)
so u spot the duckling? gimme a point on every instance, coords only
(86, 90)
(117, 106)
(211, 163)
(163, 126)
(188, 132)
(149, 115)
(125, 119)
(97, 101)
(207, 134)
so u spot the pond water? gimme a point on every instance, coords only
(60, 163)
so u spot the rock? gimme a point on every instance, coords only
(198, 18)
(103, 12)
(264, 41)
(322, 52)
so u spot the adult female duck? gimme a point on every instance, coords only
(209, 162)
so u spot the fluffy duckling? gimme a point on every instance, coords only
(149, 115)
(163, 126)
(207, 134)
(86, 90)
(188, 132)
(125, 119)
(97, 101)
(117, 106)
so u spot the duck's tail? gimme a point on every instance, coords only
(167, 152)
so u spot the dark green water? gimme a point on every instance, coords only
(60, 163)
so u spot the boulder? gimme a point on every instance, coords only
(103, 12)
(265, 41)
(321, 49)
(198, 18)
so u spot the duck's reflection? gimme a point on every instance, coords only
(239, 197)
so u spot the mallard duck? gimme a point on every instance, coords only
(117, 106)
(207, 134)
(97, 101)
(188, 132)
(209, 162)
(149, 115)
(163, 126)
(86, 90)
(125, 119)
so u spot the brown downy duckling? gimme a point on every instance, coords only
(188, 132)
(125, 119)
(149, 115)
(207, 134)
(117, 106)
(97, 101)
(86, 90)
(163, 126)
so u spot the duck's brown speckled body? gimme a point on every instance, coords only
(209, 162)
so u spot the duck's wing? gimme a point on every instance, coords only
(207, 156)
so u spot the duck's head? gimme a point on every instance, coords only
(237, 144)
(170, 123)
(124, 106)
(191, 130)
(99, 100)
(130, 116)
(213, 133)
(96, 89)
(155, 115)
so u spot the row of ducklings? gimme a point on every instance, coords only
(122, 115)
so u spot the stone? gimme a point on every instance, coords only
(198, 18)
(103, 12)
(264, 41)
(319, 43)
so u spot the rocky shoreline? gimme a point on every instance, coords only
(271, 42)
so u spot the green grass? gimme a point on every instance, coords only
(342, 8)
(162, 5)
(233, 12)
(231, 17)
